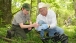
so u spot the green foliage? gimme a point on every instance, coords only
(33, 36)
(2, 41)
(3, 31)
(1, 17)
(73, 21)
(17, 4)
(69, 30)
(34, 11)
(75, 32)
(1, 13)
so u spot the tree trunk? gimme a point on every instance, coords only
(31, 8)
(5, 8)
(37, 6)
(75, 6)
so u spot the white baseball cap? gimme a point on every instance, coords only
(41, 5)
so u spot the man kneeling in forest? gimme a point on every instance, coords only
(19, 22)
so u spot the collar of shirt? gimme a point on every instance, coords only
(45, 18)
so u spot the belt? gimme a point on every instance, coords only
(15, 25)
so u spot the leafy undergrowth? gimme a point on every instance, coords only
(33, 36)
(70, 31)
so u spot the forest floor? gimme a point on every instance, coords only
(33, 36)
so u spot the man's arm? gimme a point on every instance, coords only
(25, 26)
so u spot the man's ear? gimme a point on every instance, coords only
(22, 8)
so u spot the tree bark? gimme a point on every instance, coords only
(31, 8)
(75, 6)
(6, 14)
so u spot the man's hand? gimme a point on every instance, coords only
(48, 26)
(29, 28)
(35, 25)
(44, 26)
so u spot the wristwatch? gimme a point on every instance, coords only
(48, 26)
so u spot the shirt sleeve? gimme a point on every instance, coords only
(53, 21)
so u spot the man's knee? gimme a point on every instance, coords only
(10, 34)
(41, 22)
(60, 30)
